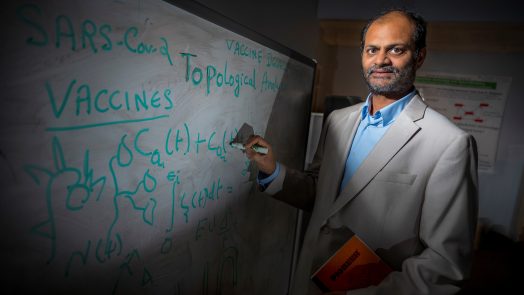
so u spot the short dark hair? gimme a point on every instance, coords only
(419, 36)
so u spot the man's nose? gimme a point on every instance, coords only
(382, 59)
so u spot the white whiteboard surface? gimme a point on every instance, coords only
(116, 171)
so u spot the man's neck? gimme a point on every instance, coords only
(379, 101)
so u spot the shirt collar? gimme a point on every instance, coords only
(389, 113)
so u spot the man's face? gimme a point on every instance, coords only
(389, 62)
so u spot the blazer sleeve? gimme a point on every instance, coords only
(298, 188)
(447, 227)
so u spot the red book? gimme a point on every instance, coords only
(353, 266)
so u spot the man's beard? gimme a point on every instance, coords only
(401, 83)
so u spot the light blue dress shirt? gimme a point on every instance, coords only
(370, 130)
(264, 180)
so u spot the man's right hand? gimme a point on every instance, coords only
(265, 163)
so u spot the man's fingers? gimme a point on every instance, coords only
(250, 153)
(253, 139)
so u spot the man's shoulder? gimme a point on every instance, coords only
(344, 112)
(438, 122)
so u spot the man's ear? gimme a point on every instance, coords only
(421, 57)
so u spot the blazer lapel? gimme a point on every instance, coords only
(400, 132)
(346, 138)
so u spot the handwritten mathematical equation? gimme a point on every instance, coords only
(80, 188)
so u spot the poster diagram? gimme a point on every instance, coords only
(474, 103)
(464, 114)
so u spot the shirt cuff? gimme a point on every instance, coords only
(264, 179)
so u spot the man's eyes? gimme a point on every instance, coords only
(372, 50)
(394, 50)
(397, 50)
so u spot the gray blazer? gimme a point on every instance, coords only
(414, 200)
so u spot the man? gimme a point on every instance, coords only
(391, 170)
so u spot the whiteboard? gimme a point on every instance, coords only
(116, 171)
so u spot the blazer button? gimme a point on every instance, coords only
(325, 230)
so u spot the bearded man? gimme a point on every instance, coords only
(391, 170)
